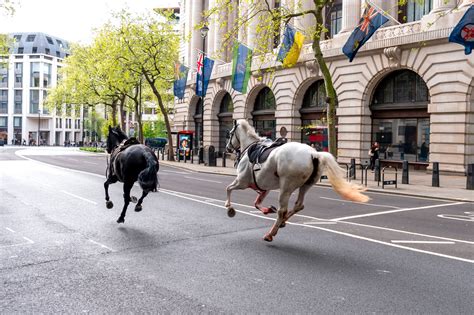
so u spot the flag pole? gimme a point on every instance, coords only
(383, 11)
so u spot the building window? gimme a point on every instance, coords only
(315, 96)
(18, 74)
(34, 50)
(46, 75)
(225, 120)
(34, 101)
(68, 110)
(30, 38)
(50, 41)
(335, 20)
(265, 100)
(20, 50)
(3, 101)
(47, 51)
(264, 114)
(401, 87)
(18, 102)
(413, 10)
(4, 75)
(3, 122)
(60, 43)
(17, 38)
(16, 122)
(35, 74)
(58, 54)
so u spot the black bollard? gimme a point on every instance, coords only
(470, 177)
(192, 156)
(377, 171)
(212, 156)
(223, 159)
(405, 178)
(201, 155)
(353, 169)
(435, 180)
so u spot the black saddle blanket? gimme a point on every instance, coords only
(259, 152)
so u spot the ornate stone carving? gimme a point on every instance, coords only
(220, 82)
(312, 66)
(393, 54)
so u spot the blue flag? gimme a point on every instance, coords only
(368, 24)
(241, 64)
(179, 84)
(204, 70)
(463, 32)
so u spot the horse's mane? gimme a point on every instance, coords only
(120, 133)
(249, 130)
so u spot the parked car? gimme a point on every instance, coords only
(156, 143)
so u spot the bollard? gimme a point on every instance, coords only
(177, 155)
(191, 155)
(470, 177)
(201, 155)
(405, 178)
(377, 171)
(223, 159)
(435, 180)
(402, 156)
(212, 156)
(352, 173)
(184, 156)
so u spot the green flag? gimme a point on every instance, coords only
(241, 64)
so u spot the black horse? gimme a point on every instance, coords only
(129, 161)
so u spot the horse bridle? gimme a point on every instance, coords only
(231, 135)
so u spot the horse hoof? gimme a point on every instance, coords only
(268, 238)
(273, 209)
(133, 199)
(231, 212)
(138, 208)
(121, 220)
(283, 224)
(109, 204)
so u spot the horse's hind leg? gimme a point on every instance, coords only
(127, 187)
(138, 207)
(259, 200)
(282, 212)
(298, 204)
(110, 180)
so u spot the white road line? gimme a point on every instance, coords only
(102, 245)
(468, 218)
(395, 211)
(421, 242)
(28, 240)
(319, 222)
(203, 180)
(79, 197)
(14, 245)
(367, 204)
(10, 230)
(176, 194)
(174, 172)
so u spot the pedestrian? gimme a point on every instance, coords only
(373, 154)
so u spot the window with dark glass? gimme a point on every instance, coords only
(60, 43)
(402, 86)
(18, 108)
(315, 96)
(17, 37)
(30, 38)
(34, 50)
(47, 75)
(265, 100)
(225, 120)
(334, 18)
(3, 122)
(16, 122)
(47, 51)
(50, 41)
(413, 10)
(18, 74)
(3, 75)
(34, 101)
(3, 101)
(35, 74)
(20, 50)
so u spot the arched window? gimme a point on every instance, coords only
(198, 125)
(264, 113)
(225, 120)
(400, 119)
(315, 96)
(313, 117)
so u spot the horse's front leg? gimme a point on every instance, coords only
(138, 207)
(259, 200)
(127, 187)
(236, 184)
(283, 200)
(110, 180)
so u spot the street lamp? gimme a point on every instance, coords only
(39, 117)
(204, 30)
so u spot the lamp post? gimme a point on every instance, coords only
(39, 117)
(204, 30)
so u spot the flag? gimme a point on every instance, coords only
(241, 64)
(368, 24)
(290, 47)
(463, 32)
(181, 76)
(204, 70)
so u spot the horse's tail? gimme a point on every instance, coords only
(147, 178)
(336, 176)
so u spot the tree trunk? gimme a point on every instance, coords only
(121, 112)
(165, 116)
(330, 91)
(114, 112)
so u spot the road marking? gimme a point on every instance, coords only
(102, 245)
(421, 242)
(395, 211)
(320, 222)
(10, 230)
(203, 180)
(367, 204)
(79, 197)
(28, 240)
(174, 172)
(468, 218)
(177, 194)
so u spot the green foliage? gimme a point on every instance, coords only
(154, 129)
(92, 149)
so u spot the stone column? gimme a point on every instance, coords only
(443, 5)
(219, 51)
(213, 24)
(304, 23)
(242, 13)
(196, 40)
(350, 15)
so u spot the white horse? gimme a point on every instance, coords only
(288, 167)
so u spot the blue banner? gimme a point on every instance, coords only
(463, 32)
(179, 84)
(241, 63)
(204, 70)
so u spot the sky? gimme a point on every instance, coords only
(71, 20)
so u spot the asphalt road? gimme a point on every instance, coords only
(61, 250)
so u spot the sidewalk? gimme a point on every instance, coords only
(452, 187)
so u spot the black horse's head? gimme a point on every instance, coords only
(114, 138)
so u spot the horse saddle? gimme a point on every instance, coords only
(127, 143)
(259, 152)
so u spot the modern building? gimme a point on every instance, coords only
(408, 88)
(27, 74)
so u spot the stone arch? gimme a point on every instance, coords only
(250, 101)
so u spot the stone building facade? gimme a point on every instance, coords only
(408, 88)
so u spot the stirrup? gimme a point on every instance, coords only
(257, 167)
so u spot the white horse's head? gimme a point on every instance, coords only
(241, 136)
(233, 142)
